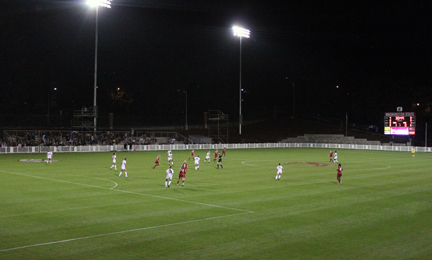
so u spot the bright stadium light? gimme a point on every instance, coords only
(101, 3)
(240, 32)
(96, 4)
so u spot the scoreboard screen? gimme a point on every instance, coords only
(399, 123)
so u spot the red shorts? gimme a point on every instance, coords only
(339, 175)
(182, 175)
(157, 162)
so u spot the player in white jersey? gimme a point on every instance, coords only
(123, 168)
(197, 160)
(49, 156)
(114, 160)
(335, 157)
(279, 172)
(168, 178)
(207, 157)
(170, 159)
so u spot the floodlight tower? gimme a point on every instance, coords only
(240, 32)
(95, 4)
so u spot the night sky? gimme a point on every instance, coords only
(378, 52)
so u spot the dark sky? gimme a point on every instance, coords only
(378, 53)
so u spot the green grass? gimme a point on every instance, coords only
(76, 208)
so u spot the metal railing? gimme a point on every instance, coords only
(160, 147)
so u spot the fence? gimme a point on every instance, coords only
(110, 148)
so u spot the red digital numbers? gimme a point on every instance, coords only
(399, 121)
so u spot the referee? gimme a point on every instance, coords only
(219, 162)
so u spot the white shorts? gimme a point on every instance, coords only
(169, 176)
(114, 161)
(207, 157)
(123, 168)
(279, 172)
(169, 159)
(196, 164)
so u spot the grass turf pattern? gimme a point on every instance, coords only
(77, 208)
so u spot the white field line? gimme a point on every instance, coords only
(109, 181)
(113, 187)
(124, 231)
(130, 192)
(119, 232)
(382, 168)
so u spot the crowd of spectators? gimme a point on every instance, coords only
(75, 138)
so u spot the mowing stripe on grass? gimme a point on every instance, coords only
(120, 232)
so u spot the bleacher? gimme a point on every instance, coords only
(329, 138)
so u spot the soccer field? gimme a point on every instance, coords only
(77, 208)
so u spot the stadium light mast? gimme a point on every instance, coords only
(240, 32)
(96, 4)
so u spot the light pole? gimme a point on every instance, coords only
(96, 4)
(185, 91)
(240, 32)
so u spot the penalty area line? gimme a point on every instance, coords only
(119, 232)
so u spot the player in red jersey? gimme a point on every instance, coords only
(331, 156)
(224, 152)
(339, 173)
(192, 155)
(182, 174)
(157, 162)
(215, 155)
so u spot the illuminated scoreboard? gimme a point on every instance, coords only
(399, 123)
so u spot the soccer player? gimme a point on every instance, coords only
(114, 159)
(182, 174)
(335, 157)
(279, 172)
(224, 152)
(331, 155)
(219, 162)
(123, 168)
(197, 160)
(49, 156)
(157, 161)
(215, 155)
(168, 179)
(413, 152)
(170, 159)
(339, 173)
(207, 157)
(192, 155)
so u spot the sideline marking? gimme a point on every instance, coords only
(119, 232)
